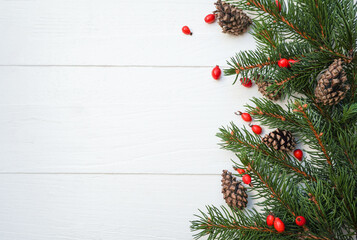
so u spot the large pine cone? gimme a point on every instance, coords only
(331, 87)
(231, 19)
(263, 89)
(233, 191)
(281, 140)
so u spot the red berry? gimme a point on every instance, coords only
(292, 61)
(270, 220)
(284, 63)
(298, 154)
(247, 179)
(256, 129)
(240, 170)
(246, 117)
(246, 82)
(278, 5)
(210, 18)
(300, 221)
(186, 30)
(216, 72)
(279, 225)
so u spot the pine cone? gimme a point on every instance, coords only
(231, 19)
(281, 140)
(331, 87)
(272, 95)
(233, 191)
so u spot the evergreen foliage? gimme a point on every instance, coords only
(322, 187)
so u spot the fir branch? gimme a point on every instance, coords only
(279, 83)
(271, 189)
(265, 34)
(222, 224)
(259, 65)
(235, 141)
(301, 109)
(280, 17)
(272, 114)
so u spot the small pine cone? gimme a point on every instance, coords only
(263, 89)
(281, 140)
(331, 87)
(233, 191)
(231, 19)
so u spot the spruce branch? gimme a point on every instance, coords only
(280, 17)
(273, 115)
(273, 191)
(239, 141)
(322, 187)
(222, 224)
(268, 8)
(301, 109)
(279, 83)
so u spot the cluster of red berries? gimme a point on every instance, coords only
(280, 226)
(246, 117)
(247, 179)
(285, 63)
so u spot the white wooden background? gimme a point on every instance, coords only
(108, 115)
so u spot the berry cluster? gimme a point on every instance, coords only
(279, 225)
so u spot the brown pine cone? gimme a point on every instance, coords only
(331, 87)
(233, 191)
(281, 140)
(231, 19)
(263, 89)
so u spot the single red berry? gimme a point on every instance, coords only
(186, 30)
(210, 18)
(247, 179)
(216, 72)
(300, 221)
(278, 5)
(256, 129)
(283, 63)
(279, 225)
(292, 61)
(246, 82)
(240, 170)
(245, 116)
(298, 154)
(270, 220)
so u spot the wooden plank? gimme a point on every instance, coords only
(65, 119)
(92, 207)
(111, 32)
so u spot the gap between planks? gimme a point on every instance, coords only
(103, 173)
(105, 66)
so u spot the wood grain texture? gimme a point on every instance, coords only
(122, 120)
(111, 32)
(108, 117)
(110, 207)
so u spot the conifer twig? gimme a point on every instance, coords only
(317, 135)
(265, 35)
(282, 161)
(259, 65)
(273, 192)
(286, 80)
